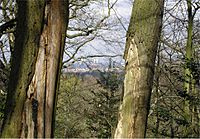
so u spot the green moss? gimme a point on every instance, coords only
(29, 27)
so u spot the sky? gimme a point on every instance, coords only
(102, 45)
(122, 12)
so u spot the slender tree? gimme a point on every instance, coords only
(40, 37)
(188, 74)
(190, 81)
(188, 54)
(141, 46)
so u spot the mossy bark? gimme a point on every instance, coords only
(29, 28)
(40, 39)
(189, 83)
(189, 49)
(141, 47)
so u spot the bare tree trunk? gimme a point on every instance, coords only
(188, 73)
(142, 41)
(40, 39)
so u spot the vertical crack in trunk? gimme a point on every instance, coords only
(34, 110)
(35, 70)
(44, 83)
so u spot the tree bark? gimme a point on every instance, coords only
(40, 38)
(189, 83)
(141, 46)
(189, 51)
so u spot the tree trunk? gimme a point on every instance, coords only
(141, 46)
(38, 51)
(188, 73)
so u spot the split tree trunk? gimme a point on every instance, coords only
(40, 38)
(141, 46)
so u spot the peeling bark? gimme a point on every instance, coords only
(141, 46)
(36, 67)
